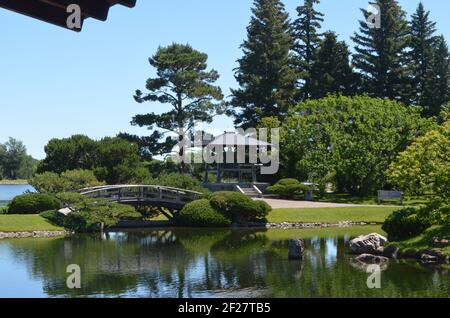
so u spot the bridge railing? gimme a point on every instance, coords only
(141, 193)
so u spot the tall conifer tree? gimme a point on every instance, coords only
(331, 72)
(421, 57)
(380, 52)
(441, 77)
(307, 40)
(266, 74)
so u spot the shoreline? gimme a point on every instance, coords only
(32, 234)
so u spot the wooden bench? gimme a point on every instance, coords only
(390, 195)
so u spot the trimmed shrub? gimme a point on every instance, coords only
(50, 182)
(404, 224)
(287, 188)
(90, 214)
(201, 213)
(3, 209)
(33, 203)
(238, 207)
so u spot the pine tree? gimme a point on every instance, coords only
(380, 52)
(421, 57)
(266, 74)
(441, 77)
(307, 40)
(331, 72)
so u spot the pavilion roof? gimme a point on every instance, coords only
(235, 139)
(54, 11)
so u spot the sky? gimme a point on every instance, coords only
(55, 83)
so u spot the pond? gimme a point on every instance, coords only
(9, 191)
(206, 263)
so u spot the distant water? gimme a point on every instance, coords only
(9, 191)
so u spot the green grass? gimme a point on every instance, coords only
(352, 231)
(25, 223)
(370, 200)
(331, 215)
(416, 244)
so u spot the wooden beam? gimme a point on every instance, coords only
(39, 10)
(96, 9)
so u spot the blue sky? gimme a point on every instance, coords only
(55, 83)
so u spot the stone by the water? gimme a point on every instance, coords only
(368, 244)
(296, 249)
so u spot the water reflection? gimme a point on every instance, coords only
(210, 263)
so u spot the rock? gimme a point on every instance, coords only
(296, 249)
(427, 258)
(368, 244)
(429, 255)
(439, 242)
(372, 259)
(390, 252)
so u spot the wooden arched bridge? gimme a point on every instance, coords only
(144, 195)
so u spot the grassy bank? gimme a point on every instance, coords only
(331, 215)
(325, 215)
(369, 200)
(421, 242)
(25, 223)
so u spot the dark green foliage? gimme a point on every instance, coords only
(348, 141)
(410, 222)
(178, 180)
(184, 83)
(421, 57)
(266, 75)
(33, 203)
(331, 71)
(201, 213)
(404, 224)
(90, 214)
(380, 52)
(307, 41)
(113, 160)
(441, 77)
(50, 182)
(14, 161)
(287, 188)
(238, 207)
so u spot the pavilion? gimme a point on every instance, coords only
(233, 175)
(55, 11)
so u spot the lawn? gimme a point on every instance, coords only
(13, 182)
(331, 215)
(25, 223)
(370, 200)
(421, 242)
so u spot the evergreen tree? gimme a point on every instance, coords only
(331, 72)
(307, 40)
(266, 74)
(421, 57)
(441, 77)
(380, 52)
(184, 83)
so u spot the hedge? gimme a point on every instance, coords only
(33, 203)
(201, 213)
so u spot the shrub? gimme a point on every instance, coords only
(238, 207)
(50, 182)
(33, 203)
(404, 224)
(287, 188)
(3, 210)
(180, 181)
(90, 214)
(201, 213)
